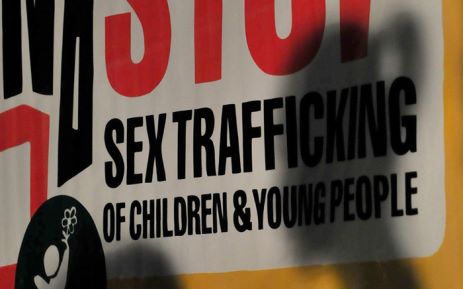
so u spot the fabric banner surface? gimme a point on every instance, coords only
(255, 143)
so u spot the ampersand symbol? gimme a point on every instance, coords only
(242, 214)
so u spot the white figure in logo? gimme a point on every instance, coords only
(55, 270)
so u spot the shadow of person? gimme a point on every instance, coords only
(154, 270)
(393, 51)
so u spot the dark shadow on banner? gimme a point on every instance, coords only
(393, 51)
(154, 267)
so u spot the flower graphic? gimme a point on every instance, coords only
(69, 220)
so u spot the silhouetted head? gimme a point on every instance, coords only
(51, 261)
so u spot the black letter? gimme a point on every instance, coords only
(377, 125)
(108, 222)
(271, 130)
(335, 126)
(155, 152)
(249, 132)
(40, 25)
(135, 229)
(409, 191)
(397, 122)
(133, 147)
(75, 144)
(309, 158)
(181, 117)
(231, 151)
(114, 180)
(203, 140)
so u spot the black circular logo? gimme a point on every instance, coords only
(61, 249)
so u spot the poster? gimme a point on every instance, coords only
(151, 139)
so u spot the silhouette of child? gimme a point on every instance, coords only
(55, 270)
